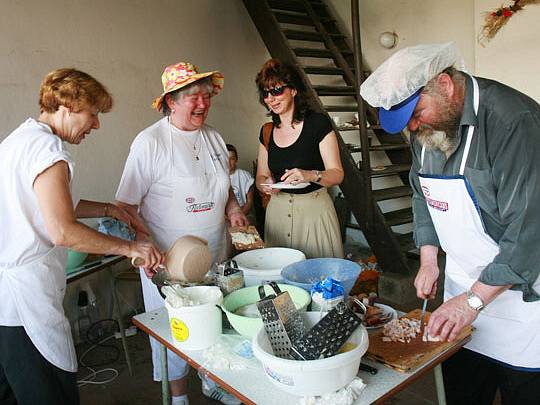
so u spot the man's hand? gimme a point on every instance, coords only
(428, 273)
(450, 318)
(426, 281)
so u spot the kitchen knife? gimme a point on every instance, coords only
(423, 316)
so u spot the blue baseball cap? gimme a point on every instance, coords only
(397, 117)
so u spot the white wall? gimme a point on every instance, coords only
(414, 21)
(126, 44)
(513, 56)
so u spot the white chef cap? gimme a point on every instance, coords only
(396, 84)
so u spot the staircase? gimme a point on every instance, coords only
(376, 164)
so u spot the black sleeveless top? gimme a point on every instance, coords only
(302, 154)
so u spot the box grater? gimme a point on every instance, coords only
(327, 336)
(229, 277)
(281, 319)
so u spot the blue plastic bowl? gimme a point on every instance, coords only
(307, 272)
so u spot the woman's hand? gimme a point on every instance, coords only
(295, 176)
(238, 218)
(151, 256)
(265, 188)
(132, 221)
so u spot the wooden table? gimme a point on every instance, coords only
(252, 386)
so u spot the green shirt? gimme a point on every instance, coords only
(503, 168)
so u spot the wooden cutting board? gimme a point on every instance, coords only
(407, 357)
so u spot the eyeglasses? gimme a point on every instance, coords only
(275, 91)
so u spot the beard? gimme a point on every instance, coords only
(433, 140)
(442, 134)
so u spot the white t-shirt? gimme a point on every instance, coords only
(241, 181)
(24, 154)
(158, 153)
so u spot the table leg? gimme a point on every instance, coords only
(439, 384)
(118, 314)
(164, 376)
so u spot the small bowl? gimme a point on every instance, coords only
(248, 326)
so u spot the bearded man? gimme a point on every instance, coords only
(476, 187)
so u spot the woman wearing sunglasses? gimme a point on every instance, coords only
(298, 159)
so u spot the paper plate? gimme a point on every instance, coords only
(283, 185)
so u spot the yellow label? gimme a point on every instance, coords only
(179, 330)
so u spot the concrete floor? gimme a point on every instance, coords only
(139, 389)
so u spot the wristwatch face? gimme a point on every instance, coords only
(474, 301)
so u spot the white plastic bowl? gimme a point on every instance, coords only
(262, 265)
(311, 377)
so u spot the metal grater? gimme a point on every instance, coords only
(327, 336)
(281, 319)
(229, 277)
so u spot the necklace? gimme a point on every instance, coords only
(197, 150)
(197, 143)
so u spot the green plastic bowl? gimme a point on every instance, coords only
(247, 326)
(75, 259)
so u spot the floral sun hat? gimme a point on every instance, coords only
(180, 75)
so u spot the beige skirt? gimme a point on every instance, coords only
(307, 222)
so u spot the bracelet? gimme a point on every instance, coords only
(106, 210)
(319, 176)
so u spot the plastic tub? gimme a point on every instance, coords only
(311, 377)
(304, 274)
(248, 326)
(262, 265)
(197, 327)
(75, 259)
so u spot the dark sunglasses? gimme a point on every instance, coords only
(275, 91)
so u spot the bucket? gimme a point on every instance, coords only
(305, 274)
(263, 265)
(197, 327)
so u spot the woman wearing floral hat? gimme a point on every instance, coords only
(176, 178)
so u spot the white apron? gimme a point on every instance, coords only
(37, 289)
(508, 328)
(197, 208)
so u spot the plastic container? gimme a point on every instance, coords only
(311, 377)
(75, 259)
(248, 326)
(262, 265)
(197, 327)
(304, 274)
